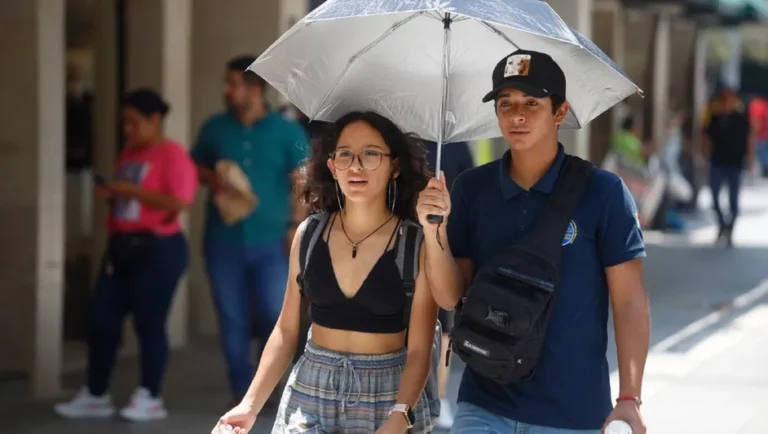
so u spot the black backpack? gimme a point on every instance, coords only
(409, 239)
(501, 322)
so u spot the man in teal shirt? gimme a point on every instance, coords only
(628, 144)
(247, 262)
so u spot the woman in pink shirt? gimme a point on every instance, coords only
(155, 180)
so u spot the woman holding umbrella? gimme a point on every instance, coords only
(356, 374)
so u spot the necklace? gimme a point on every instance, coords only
(355, 244)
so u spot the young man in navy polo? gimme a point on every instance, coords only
(494, 205)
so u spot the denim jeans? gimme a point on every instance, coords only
(248, 283)
(471, 419)
(147, 295)
(730, 175)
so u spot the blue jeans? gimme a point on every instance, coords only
(471, 419)
(730, 175)
(248, 282)
(146, 294)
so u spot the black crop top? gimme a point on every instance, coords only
(377, 306)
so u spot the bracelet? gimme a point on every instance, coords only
(634, 399)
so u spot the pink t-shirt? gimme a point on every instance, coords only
(759, 118)
(165, 168)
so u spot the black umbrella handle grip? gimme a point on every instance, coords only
(435, 219)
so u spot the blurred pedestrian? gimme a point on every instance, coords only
(758, 111)
(155, 181)
(313, 128)
(729, 145)
(247, 261)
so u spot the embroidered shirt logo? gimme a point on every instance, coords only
(570, 233)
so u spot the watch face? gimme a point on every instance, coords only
(410, 416)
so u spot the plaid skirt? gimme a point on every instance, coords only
(332, 392)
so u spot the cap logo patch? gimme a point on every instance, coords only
(518, 65)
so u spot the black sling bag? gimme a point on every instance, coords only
(502, 320)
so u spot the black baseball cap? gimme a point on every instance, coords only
(532, 72)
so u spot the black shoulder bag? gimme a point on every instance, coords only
(502, 320)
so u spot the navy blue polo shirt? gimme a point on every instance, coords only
(571, 387)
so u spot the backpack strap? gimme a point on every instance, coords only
(407, 260)
(313, 229)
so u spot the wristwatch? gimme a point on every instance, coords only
(406, 411)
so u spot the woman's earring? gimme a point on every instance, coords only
(338, 196)
(392, 196)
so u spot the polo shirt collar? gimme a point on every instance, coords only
(267, 117)
(510, 189)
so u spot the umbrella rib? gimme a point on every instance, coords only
(499, 34)
(359, 54)
(435, 14)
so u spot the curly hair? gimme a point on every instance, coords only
(319, 186)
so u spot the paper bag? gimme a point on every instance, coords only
(235, 201)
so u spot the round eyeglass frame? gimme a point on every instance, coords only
(359, 158)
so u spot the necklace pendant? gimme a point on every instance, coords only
(354, 252)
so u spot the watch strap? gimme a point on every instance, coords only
(406, 411)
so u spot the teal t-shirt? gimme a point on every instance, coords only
(267, 152)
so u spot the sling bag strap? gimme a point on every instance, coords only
(545, 240)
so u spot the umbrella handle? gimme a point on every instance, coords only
(438, 219)
(435, 219)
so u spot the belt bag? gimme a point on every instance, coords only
(501, 322)
(128, 251)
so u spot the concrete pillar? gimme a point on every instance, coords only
(290, 12)
(618, 54)
(609, 36)
(700, 91)
(661, 76)
(578, 14)
(731, 68)
(158, 55)
(32, 194)
(105, 117)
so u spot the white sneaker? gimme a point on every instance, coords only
(85, 405)
(446, 414)
(144, 407)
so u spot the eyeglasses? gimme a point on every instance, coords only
(369, 160)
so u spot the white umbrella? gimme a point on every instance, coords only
(427, 64)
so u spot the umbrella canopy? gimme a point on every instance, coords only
(427, 64)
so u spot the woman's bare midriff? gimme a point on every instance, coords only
(345, 341)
